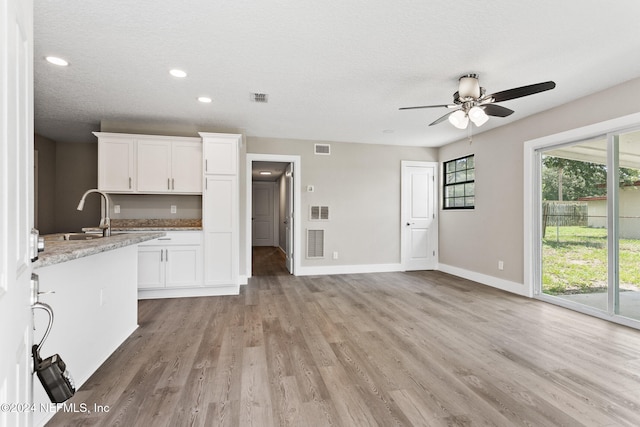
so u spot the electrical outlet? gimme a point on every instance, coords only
(310, 189)
(116, 209)
(500, 265)
(335, 254)
(174, 209)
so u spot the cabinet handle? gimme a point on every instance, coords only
(161, 255)
(206, 165)
(173, 184)
(167, 255)
(129, 183)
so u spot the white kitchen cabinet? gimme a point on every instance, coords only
(186, 166)
(154, 166)
(169, 166)
(220, 211)
(173, 261)
(116, 164)
(147, 164)
(220, 225)
(220, 152)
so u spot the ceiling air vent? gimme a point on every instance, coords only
(260, 97)
(323, 149)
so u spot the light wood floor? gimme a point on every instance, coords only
(422, 348)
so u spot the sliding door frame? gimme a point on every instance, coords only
(533, 216)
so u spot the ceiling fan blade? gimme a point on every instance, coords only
(443, 118)
(428, 106)
(496, 110)
(519, 92)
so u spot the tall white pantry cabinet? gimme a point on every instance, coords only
(220, 209)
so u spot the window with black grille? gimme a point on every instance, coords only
(459, 190)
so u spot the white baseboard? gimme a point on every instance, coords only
(348, 269)
(494, 282)
(212, 291)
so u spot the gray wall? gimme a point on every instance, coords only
(475, 240)
(65, 172)
(76, 172)
(46, 185)
(361, 185)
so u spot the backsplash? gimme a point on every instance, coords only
(155, 206)
(151, 223)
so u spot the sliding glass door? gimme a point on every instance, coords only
(589, 216)
(627, 296)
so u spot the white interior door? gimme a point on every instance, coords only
(419, 233)
(288, 220)
(263, 214)
(16, 208)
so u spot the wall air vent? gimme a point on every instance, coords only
(260, 97)
(319, 213)
(315, 243)
(322, 149)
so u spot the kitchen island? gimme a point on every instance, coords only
(91, 285)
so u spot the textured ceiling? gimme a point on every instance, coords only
(334, 70)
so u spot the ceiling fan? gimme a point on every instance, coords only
(471, 103)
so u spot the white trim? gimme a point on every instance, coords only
(147, 136)
(349, 269)
(297, 192)
(494, 282)
(211, 291)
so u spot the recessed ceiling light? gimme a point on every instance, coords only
(204, 99)
(265, 173)
(57, 61)
(178, 73)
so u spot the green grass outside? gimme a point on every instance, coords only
(574, 260)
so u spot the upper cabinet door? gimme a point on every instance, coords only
(220, 155)
(154, 166)
(116, 163)
(186, 167)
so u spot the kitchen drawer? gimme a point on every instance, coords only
(177, 238)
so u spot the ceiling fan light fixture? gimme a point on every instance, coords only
(469, 86)
(459, 119)
(478, 116)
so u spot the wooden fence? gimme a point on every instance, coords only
(564, 214)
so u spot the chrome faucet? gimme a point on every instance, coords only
(105, 222)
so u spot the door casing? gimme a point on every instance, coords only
(297, 167)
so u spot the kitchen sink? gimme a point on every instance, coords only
(80, 236)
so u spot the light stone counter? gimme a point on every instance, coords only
(57, 251)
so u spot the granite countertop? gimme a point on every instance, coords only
(124, 225)
(57, 250)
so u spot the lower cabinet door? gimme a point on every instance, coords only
(151, 267)
(183, 266)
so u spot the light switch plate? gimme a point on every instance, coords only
(174, 209)
(116, 209)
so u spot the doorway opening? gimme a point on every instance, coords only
(272, 228)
